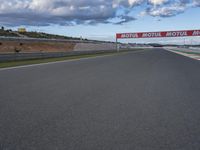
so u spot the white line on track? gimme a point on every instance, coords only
(193, 56)
(50, 63)
(64, 61)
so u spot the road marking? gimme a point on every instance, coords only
(193, 56)
(50, 63)
(65, 61)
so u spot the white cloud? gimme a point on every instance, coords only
(196, 3)
(166, 11)
(135, 2)
(69, 12)
(157, 2)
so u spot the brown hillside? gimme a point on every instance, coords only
(30, 46)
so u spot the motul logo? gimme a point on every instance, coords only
(175, 34)
(151, 34)
(129, 35)
(196, 33)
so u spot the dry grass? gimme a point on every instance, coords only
(24, 46)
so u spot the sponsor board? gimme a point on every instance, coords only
(158, 34)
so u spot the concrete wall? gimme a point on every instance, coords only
(22, 49)
(94, 46)
(44, 45)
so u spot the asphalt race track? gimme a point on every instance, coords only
(147, 100)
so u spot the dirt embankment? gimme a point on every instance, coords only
(35, 46)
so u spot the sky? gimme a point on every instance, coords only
(102, 19)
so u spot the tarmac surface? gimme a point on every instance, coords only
(147, 100)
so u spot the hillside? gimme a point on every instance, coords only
(7, 33)
(47, 36)
(10, 33)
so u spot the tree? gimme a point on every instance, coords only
(2, 28)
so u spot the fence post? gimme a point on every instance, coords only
(117, 48)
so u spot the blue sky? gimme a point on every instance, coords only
(101, 19)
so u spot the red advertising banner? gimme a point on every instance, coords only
(182, 33)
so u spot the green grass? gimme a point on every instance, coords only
(47, 60)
